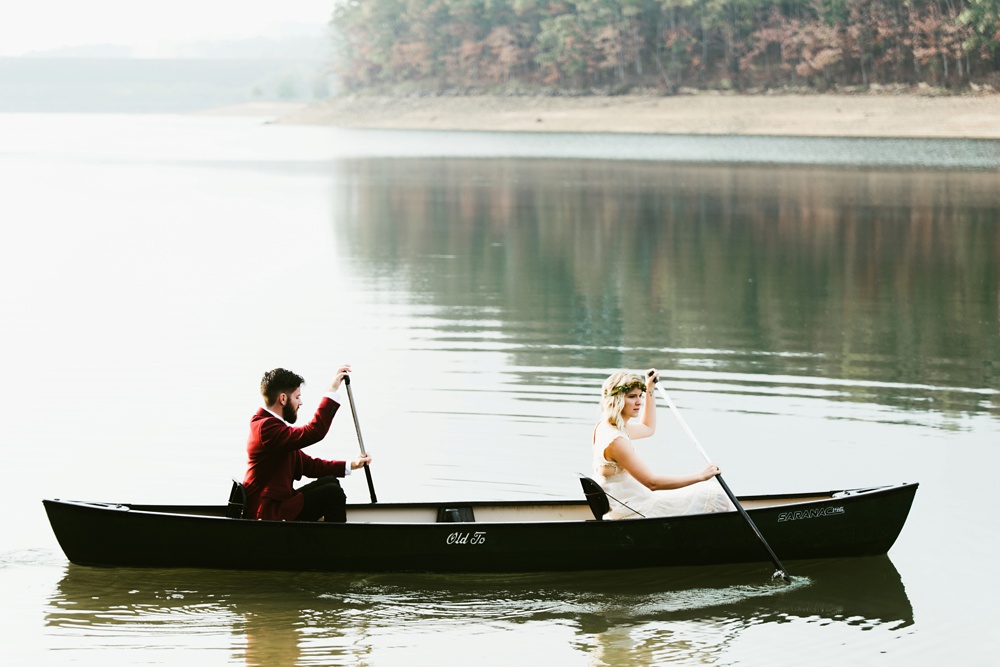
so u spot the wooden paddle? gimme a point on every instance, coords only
(725, 487)
(361, 442)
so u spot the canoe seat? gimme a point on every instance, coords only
(237, 501)
(596, 498)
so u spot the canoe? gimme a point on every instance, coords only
(481, 536)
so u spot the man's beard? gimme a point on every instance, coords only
(289, 414)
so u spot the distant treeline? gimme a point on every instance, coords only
(618, 45)
(152, 85)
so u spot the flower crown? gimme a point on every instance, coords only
(625, 388)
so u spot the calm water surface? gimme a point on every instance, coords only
(827, 324)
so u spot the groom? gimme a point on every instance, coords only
(274, 456)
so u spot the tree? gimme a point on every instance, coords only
(983, 20)
(562, 50)
(619, 44)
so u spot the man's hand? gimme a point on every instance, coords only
(342, 372)
(361, 461)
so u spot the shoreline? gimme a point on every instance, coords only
(870, 115)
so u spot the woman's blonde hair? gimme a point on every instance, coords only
(613, 393)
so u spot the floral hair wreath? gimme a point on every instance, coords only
(625, 388)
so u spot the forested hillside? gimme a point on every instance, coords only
(621, 45)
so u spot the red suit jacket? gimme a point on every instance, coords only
(274, 460)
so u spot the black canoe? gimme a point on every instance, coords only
(513, 536)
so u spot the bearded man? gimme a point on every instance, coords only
(275, 457)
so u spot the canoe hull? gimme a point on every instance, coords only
(852, 524)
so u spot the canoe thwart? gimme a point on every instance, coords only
(457, 514)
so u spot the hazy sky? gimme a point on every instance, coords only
(145, 25)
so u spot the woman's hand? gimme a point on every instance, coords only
(710, 471)
(361, 461)
(652, 375)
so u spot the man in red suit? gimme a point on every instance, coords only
(275, 456)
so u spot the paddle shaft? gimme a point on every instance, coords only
(361, 441)
(725, 487)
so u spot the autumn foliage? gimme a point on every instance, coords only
(617, 45)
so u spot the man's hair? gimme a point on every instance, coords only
(279, 381)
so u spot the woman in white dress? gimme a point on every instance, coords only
(628, 412)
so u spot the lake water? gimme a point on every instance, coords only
(826, 315)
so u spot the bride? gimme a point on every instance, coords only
(628, 412)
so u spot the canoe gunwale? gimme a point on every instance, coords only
(753, 503)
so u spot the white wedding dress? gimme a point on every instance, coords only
(631, 500)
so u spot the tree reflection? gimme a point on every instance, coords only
(886, 280)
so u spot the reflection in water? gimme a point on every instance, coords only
(864, 286)
(636, 617)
